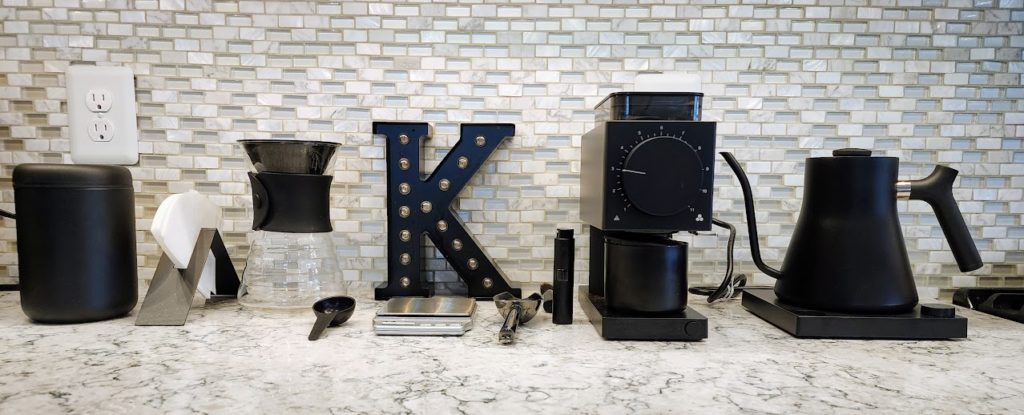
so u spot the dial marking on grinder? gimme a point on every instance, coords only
(658, 189)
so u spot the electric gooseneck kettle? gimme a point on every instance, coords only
(847, 252)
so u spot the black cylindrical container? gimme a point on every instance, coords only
(565, 247)
(645, 274)
(76, 242)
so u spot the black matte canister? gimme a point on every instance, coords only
(76, 242)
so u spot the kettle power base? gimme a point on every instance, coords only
(804, 323)
(687, 325)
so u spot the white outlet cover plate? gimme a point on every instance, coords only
(119, 81)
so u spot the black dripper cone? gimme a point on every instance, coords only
(290, 156)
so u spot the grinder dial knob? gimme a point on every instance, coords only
(661, 175)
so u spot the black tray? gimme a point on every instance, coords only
(806, 323)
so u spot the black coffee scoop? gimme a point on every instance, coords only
(330, 312)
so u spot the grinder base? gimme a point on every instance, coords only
(687, 325)
(806, 323)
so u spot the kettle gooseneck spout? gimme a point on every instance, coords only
(748, 202)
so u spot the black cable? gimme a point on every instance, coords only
(730, 286)
(6, 214)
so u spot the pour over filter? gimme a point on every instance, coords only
(292, 261)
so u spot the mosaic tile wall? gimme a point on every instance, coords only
(929, 81)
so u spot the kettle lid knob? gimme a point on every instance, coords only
(851, 152)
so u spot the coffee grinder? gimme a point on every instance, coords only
(647, 172)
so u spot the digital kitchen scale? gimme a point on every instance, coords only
(924, 322)
(421, 326)
(434, 316)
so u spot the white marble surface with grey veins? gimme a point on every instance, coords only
(227, 359)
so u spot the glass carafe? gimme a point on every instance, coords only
(292, 261)
(286, 270)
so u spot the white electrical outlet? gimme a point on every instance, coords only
(101, 115)
(98, 100)
(101, 129)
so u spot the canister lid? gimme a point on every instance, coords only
(71, 176)
(851, 152)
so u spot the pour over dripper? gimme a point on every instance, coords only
(290, 156)
(292, 261)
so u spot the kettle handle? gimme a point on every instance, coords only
(937, 190)
(748, 203)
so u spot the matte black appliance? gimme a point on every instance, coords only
(76, 242)
(647, 172)
(847, 256)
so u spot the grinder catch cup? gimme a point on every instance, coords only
(292, 261)
(645, 274)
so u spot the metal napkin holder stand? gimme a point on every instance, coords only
(169, 298)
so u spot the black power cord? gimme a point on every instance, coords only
(731, 286)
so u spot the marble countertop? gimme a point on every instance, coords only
(228, 359)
